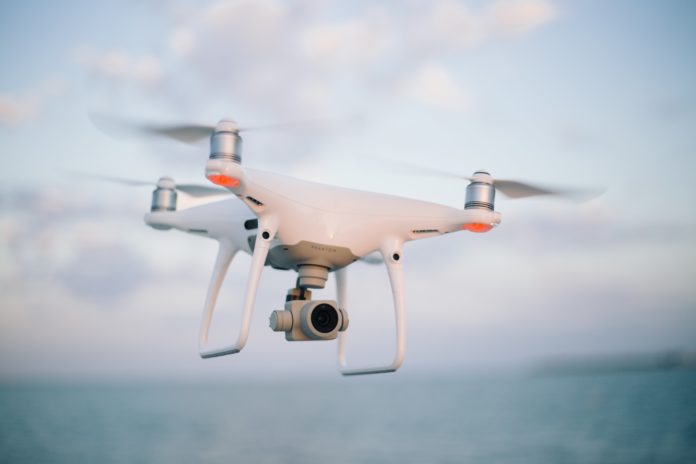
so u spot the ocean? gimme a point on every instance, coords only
(631, 417)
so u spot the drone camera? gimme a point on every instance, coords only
(309, 320)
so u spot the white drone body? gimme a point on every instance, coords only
(312, 229)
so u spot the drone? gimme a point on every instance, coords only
(312, 229)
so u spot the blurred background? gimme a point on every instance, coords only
(566, 334)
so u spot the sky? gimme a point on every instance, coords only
(589, 94)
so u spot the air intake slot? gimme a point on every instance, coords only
(254, 201)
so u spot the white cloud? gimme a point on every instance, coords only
(267, 54)
(433, 85)
(308, 58)
(17, 110)
(519, 17)
(354, 44)
(251, 26)
(182, 42)
(451, 24)
(120, 66)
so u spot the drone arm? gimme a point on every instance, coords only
(391, 252)
(226, 252)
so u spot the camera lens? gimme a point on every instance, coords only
(324, 318)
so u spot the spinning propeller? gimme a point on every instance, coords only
(225, 145)
(510, 188)
(195, 190)
(186, 133)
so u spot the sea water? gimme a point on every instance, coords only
(636, 417)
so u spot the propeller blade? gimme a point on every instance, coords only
(118, 127)
(510, 188)
(418, 170)
(195, 190)
(183, 133)
(325, 122)
(442, 173)
(192, 133)
(116, 180)
(515, 189)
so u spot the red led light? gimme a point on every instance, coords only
(223, 180)
(477, 227)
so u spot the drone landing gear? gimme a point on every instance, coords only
(316, 320)
(391, 252)
(227, 250)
